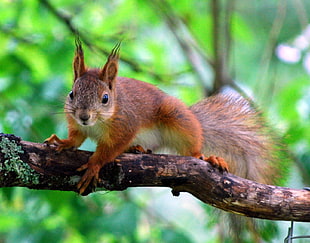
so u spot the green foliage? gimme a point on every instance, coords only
(36, 53)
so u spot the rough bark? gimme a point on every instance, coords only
(38, 166)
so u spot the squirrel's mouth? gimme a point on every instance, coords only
(85, 118)
(87, 123)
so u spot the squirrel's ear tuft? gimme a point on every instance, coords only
(78, 61)
(109, 72)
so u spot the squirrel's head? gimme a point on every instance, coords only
(92, 97)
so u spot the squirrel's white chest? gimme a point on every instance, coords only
(156, 139)
(147, 138)
(95, 132)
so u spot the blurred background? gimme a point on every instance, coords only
(189, 49)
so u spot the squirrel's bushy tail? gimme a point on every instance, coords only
(238, 133)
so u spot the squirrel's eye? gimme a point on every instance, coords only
(71, 95)
(105, 98)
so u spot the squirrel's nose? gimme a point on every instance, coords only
(84, 117)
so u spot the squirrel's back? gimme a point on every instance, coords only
(141, 97)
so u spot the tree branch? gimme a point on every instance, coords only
(38, 166)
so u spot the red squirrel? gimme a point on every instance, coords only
(119, 112)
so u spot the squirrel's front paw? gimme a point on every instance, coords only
(53, 139)
(89, 179)
(60, 143)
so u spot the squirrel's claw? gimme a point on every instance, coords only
(138, 149)
(216, 161)
(83, 167)
(60, 143)
(53, 139)
(89, 179)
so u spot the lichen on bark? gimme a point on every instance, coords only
(11, 153)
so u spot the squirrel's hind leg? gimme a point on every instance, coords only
(138, 149)
(215, 161)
